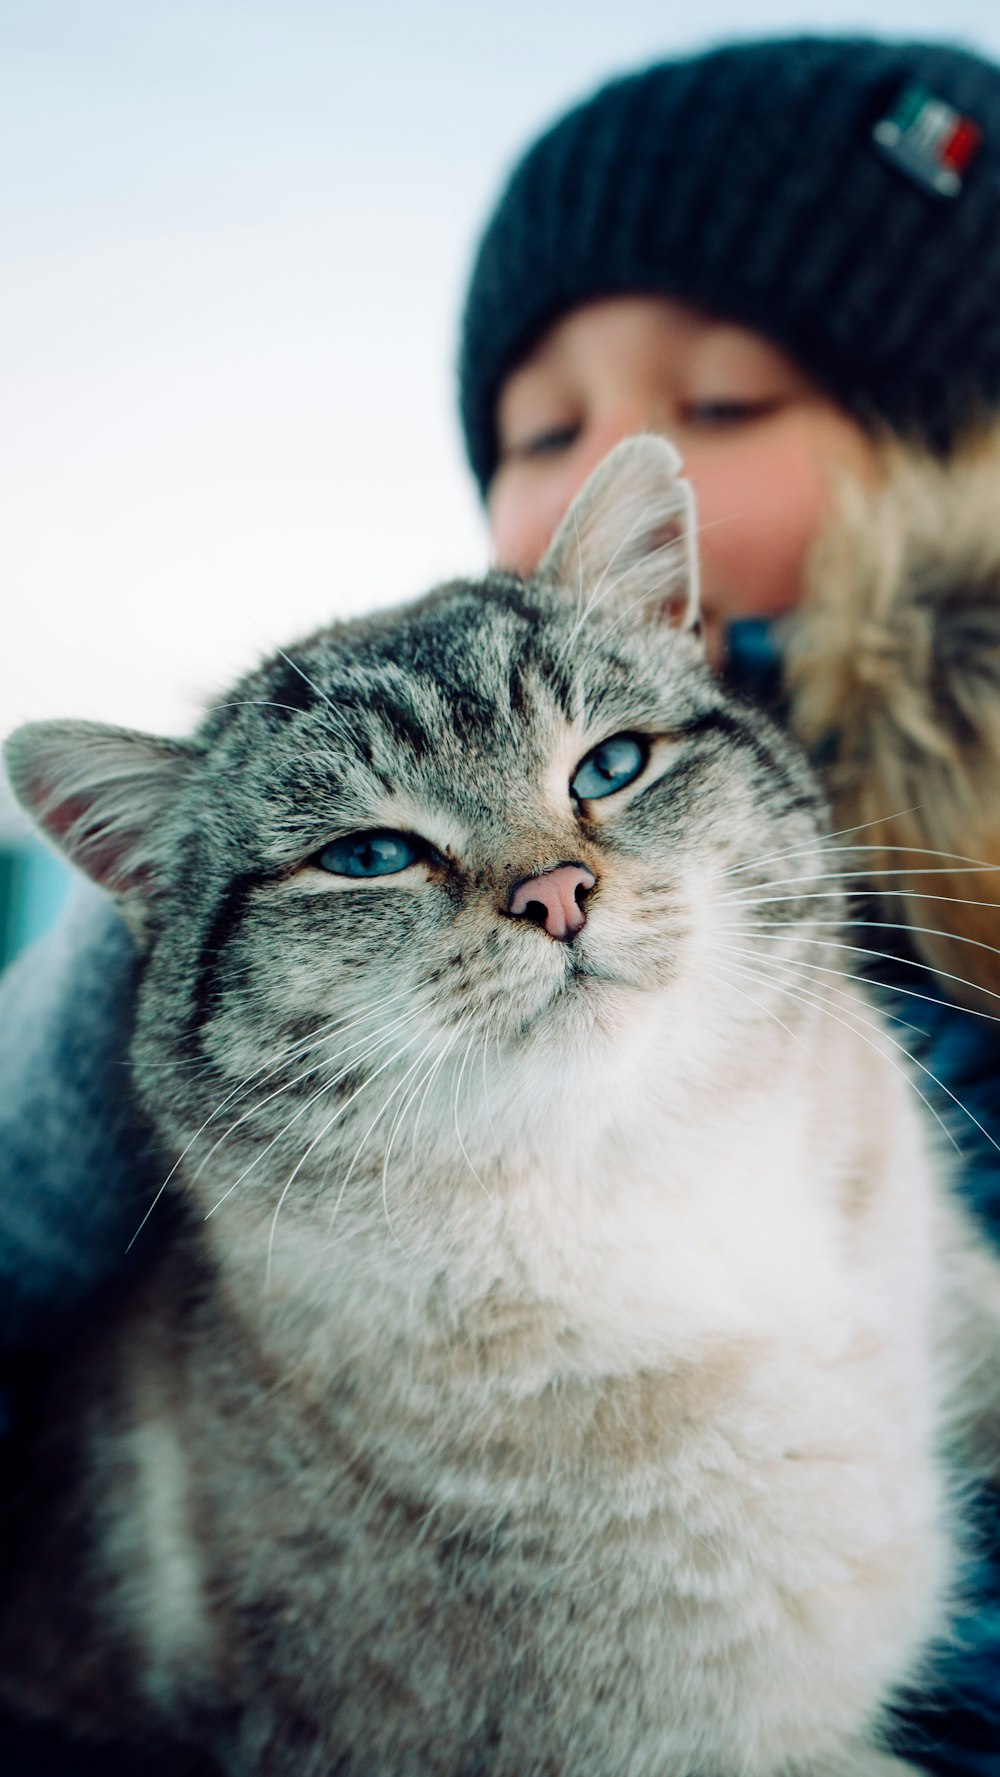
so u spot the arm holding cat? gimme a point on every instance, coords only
(78, 1166)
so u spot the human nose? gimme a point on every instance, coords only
(623, 421)
(528, 504)
(597, 439)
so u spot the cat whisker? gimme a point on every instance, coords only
(204, 1067)
(850, 885)
(800, 962)
(429, 1079)
(303, 1157)
(422, 1080)
(827, 848)
(486, 1091)
(770, 1012)
(397, 1120)
(825, 841)
(458, 1132)
(336, 1027)
(805, 996)
(396, 1125)
(400, 1084)
(314, 1098)
(270, 703)
(899, 925)
(375, 1045)
(820, 996)
(333, 1028)
(293, 1050)
(266, 1067)
(380, 1113)
(290, 1085)
(762, 930)
(304, 676)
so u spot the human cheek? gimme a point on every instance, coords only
(758, 516)
(529, 498)
(523, 511)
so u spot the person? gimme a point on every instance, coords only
(786, 256)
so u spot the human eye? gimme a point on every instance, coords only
(722, 411)
(544, 441)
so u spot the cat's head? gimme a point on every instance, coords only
(487, 830)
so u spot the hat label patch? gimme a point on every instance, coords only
(929, 140)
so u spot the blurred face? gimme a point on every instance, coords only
(760, 443)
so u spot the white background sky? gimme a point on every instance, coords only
(233, 241)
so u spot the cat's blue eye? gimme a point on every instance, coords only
(609, 767)
(370, 854)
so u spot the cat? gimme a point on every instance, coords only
(550, 1371)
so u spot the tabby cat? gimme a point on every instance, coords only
(550, 1369)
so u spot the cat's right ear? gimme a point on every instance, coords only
(101, 795)
(632, 530)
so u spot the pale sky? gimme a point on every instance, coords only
(233, 241)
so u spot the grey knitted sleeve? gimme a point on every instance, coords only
(78, 1167)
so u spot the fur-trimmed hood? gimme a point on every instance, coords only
(893, 673)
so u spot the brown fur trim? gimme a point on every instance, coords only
(893, 669)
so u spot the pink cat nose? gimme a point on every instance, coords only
(554, 899)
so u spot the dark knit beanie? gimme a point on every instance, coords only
(841, 197)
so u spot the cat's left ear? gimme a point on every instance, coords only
(102, 796)
(633, 529)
